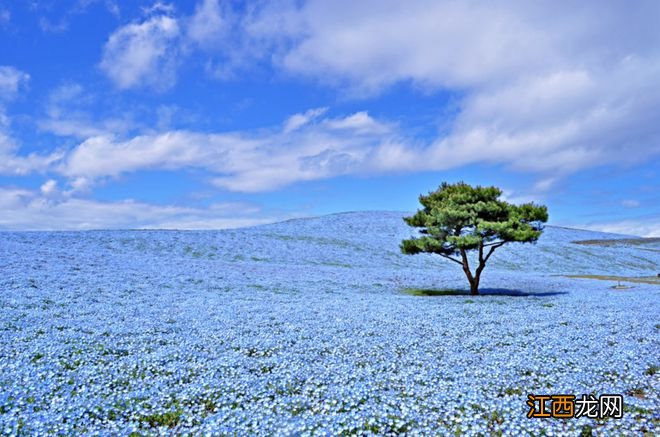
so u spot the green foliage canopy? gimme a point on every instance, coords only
(458, 218)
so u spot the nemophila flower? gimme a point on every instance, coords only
(304, 330)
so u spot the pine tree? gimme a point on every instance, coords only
(458, 218)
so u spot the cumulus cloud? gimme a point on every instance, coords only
(377, 43)
(36, 210)
(247, 161)
(541, 87)
(561, 122)
(103, 156)
(143, 54)
(544, 87)
(149, 52)
(311, 146)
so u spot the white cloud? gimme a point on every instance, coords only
(517, 197)
(66, 93)
(70, 112)
(13, 164)
(560, 123)
(434, 43)
(149, 53)
(11, 80)
(545, 87)
(80, 184)
(360, 122)
(218, 33)
(27, 210)
(298, 120)
(207, 25)
(248, 161)
(450, 44)
(103, 156)
(159, 8)
(307, 147)
(49, 187)
(630, 203)
(643, 227)
(545, 184)
(143, 54)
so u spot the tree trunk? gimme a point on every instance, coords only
(474, 281)
(474, 288)
(474, 285)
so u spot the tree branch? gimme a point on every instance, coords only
(450, 258)
(492, 249)
(495, 243)
(466, 266)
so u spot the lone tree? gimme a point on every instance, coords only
(458, 218)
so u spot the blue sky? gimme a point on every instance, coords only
(214, 114)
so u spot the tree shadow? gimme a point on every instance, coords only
(509, 292)
(482, 292)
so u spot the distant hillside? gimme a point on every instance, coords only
(649, 242)
(354, 247)
(372, 239)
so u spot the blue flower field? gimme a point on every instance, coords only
(317, 327)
